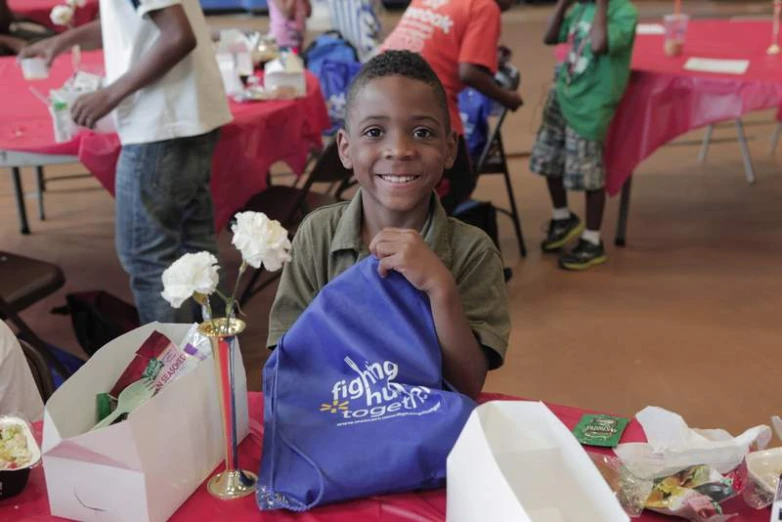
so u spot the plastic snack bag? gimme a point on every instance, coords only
(630, 490)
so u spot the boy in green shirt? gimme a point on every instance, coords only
(588, 88)
(398, 141)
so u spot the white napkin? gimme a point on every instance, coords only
(716, 65)
(649, 29)
(673, 446)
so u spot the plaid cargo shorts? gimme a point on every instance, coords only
(560, 152)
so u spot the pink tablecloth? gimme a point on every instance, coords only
(664, 101)
(260, 135)
(32, 505)
(38, 11)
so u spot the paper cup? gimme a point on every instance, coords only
(34, 69)
(675, 33)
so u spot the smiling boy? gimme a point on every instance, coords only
(398, 142)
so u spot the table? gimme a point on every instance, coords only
(664, 101)
(32, 505)
(261, 134)
(39, 10)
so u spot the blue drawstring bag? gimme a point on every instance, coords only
(355, 403)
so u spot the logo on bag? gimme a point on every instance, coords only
(373, 396)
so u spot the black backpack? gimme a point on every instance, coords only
(98, 317)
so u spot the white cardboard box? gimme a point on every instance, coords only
(144, 468)
(516, 462)
(287, 71)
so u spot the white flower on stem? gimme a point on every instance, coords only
(76, 3)
(188, 275)
(61, 15)
(261, 241)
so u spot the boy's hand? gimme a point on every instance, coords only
(48, 49)
(405, 251)
(513, 101)
(89, 108)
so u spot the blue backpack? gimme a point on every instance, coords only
(334, 61)
(335, 79)
(328, 46)
(475, 109)
(355, 403)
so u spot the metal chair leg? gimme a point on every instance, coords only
(41, 188)
(21, 209)
(772, 148)
(705, 145)
(624, 212)
(514, 211)
(749, 170)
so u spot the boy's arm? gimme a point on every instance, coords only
(478, 55)
(600, 28)
(297, 287)
(404, 251)
(620, 31)
(87, 36)
(482, 81)
(554, 32)
(175, 41)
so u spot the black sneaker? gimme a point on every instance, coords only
(583, 256)
(561, 232)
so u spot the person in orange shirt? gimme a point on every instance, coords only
(459, 39)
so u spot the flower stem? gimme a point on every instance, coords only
(232, 299)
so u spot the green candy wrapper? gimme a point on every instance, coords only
(600, 430)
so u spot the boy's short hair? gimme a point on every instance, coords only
(399, 63)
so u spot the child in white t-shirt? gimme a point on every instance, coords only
(18, 393)
(165, 90)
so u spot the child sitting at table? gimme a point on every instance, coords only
(459, 39)
(398, 141)
(287, 22)
(167, 96)
(569, 147)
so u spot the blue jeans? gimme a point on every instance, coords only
(163, 210)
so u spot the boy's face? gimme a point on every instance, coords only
(396, 143)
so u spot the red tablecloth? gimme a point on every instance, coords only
(260, 134)
(664, 101)
(32, 505)
(38, 11)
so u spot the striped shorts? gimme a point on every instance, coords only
(561, 153)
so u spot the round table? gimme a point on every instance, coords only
(39, 10)
(32, 505)
(663, 100)
(260, 135)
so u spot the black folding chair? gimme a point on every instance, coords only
(493, 160)
(290, 204)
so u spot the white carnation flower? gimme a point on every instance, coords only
(61, 15)
(261, 241)
(76, 3)
(190, 274)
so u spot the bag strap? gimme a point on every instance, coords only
(278, 432)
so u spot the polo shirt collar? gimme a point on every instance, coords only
(347, 235)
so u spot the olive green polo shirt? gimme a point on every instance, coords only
(329, 242)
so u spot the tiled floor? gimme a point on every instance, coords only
(686, 317)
